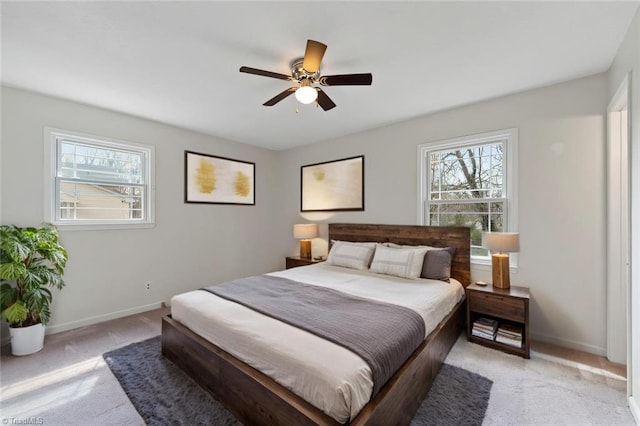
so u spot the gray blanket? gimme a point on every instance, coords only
(382, 334)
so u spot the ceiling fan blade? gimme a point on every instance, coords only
(324, 101)
(346, 80)
(313, 55)
(280, 96)
(263, 73)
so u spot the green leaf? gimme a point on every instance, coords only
(12, 271)
(8, 296)
(33, 278)
(12, 247)
(15, 313)
(59, 257)
(38, 301)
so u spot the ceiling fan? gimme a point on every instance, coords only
(306, 72)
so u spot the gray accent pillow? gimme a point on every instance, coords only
(437, 264)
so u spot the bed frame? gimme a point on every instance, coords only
(256, 399)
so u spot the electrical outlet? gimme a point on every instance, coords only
(147, 285)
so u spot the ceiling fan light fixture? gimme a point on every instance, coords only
(306, 72)
(306, 94)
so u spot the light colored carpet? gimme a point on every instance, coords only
(538, 391)
(68, 382)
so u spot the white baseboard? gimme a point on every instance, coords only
(578, 366)
(597, 350)
(635, 408)
(51, 329)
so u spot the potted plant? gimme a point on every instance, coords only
(31, 262)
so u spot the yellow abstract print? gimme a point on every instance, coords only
(206, 177)
(242, 184)
(218, 180)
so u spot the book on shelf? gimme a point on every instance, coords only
(509, 335)
(509, 341)
(483, 334)
(510, 329)
(486, 323)
(485, 328)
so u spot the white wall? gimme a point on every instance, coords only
(561, 195)
(561, 210)
(628, 59)
(191, 245)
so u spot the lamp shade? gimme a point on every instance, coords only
(505, 242)
(305, 231)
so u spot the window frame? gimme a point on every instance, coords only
(52, 136)
(510, 175)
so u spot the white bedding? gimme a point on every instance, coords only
(325, 374)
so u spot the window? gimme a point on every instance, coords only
(470, 181)
(96, 182)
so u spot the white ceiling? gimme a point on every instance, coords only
(177, 62)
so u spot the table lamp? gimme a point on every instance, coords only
(500, 244)
(304, 232)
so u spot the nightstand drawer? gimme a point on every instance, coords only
(502, 306)
(294, 261)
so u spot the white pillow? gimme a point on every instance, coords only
(400, 262)
(351, 255)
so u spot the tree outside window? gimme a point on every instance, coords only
(465, 183)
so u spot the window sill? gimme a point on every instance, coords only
(484, 265)
(65, 226)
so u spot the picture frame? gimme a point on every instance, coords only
(210, 179)
(336, 185)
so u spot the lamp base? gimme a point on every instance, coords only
(500, 270)
(305, 249)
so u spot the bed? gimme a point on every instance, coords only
(256, 398)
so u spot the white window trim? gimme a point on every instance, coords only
(511, 173)
(50, 163)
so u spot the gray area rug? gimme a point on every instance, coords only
(163, 395)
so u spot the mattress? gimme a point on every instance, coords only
(328, 376)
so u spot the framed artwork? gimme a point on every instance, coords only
(218, 180)
(333, 185)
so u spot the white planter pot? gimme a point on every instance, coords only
(26, 340)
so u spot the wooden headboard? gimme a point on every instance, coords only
(435, 236)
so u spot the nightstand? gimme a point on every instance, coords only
(295, 261)
(508, 307)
